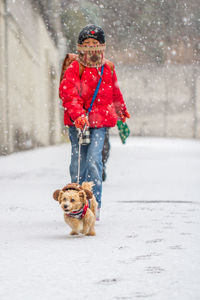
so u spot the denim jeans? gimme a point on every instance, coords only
(91, 165)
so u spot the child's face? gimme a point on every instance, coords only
(90, 42)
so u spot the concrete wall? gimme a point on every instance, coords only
(3, 75)
(30, 113)
(163, 101)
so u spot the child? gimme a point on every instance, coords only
(76, 91)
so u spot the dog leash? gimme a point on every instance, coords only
(80, 137)
(79, 159)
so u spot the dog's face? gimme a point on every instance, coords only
(71, 200)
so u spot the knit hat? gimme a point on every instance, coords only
(92, 31)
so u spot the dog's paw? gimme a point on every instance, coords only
(91, 233)
(73, 233)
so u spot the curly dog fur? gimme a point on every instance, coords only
(73, 198)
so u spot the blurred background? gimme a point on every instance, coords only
(154, 44)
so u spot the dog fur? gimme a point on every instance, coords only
(74, 197)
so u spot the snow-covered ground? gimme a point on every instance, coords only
(147, 244)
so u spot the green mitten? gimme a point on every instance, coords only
(124, 131)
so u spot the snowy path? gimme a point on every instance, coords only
(147, 244)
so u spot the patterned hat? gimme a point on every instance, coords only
(92, 31)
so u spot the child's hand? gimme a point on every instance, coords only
(81, 122)
(123, 115)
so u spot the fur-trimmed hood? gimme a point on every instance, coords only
(70, 57)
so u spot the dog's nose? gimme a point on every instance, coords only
(65, 206)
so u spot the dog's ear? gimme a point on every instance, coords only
(56, 194)
(60, 196)
(82, 196)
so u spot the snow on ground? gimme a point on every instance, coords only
(147, 244)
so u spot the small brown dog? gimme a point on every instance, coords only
(79, 205)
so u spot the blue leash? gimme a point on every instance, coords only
(96, 91)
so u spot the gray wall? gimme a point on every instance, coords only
(30, 113)
(163, 101)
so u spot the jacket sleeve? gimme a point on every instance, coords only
(69, 92)
(118, 100)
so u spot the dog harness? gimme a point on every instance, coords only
(79, 214)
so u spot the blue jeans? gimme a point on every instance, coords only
(91, 166)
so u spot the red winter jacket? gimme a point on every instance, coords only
(76, 94)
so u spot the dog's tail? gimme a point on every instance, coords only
(88, 185)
